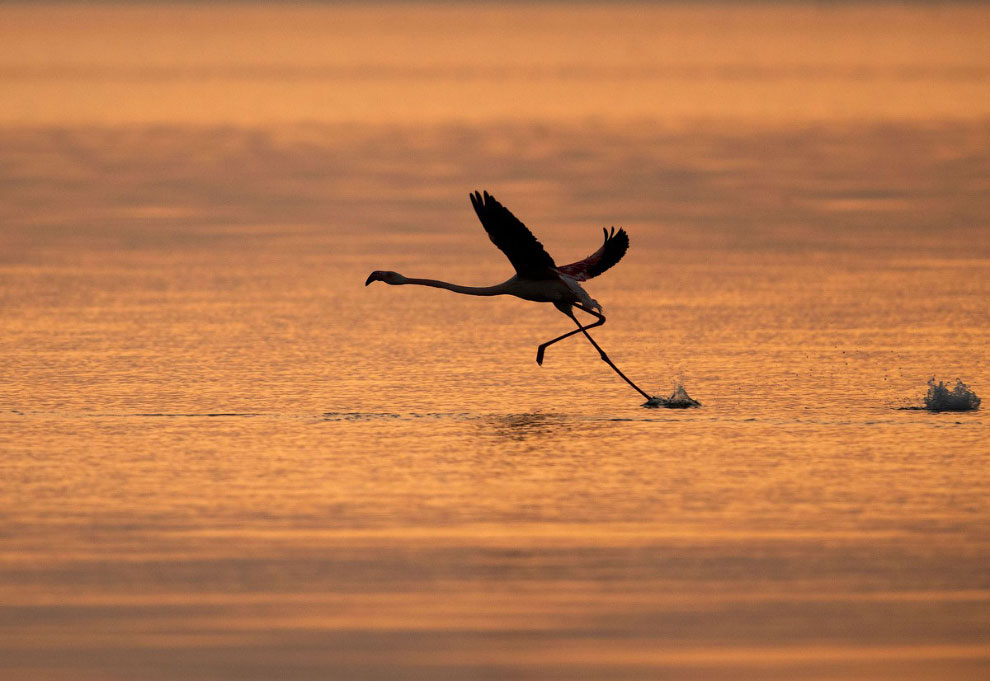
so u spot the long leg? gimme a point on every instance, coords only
(582, 329)
(543, 348)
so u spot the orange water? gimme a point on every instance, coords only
(222, 63)
(223, 457)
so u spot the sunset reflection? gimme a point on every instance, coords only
(224, 457)
(222, 63)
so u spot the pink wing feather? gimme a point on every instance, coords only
(611, 252)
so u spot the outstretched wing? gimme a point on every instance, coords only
(611, 252)
(512, 237)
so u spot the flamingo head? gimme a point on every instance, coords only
(387, 277)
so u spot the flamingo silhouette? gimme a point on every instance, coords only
(537, 277)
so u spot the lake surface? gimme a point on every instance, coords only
(223, 457)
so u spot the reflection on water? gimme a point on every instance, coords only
(209, 63)
(225, 458)
(222, 457)
(522, 427)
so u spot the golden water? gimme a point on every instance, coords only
(223, 457)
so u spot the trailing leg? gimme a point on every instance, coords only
(601, 353)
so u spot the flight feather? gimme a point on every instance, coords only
(512, 237)
(611, 252)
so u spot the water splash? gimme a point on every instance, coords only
(959, 398)
(679, 399)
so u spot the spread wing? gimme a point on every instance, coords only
(512, 237)
(611, 252)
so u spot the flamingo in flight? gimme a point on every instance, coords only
(538, 277)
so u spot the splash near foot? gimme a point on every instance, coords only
(959, 398)
(679, 399)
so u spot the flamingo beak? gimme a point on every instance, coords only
(374, 276)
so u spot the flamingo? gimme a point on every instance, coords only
(537, 277)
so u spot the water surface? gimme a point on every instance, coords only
(223, 457)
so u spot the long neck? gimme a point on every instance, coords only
(497, 289)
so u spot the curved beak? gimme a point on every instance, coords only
(371, 278)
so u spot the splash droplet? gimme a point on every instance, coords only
(960, 398)
(679, 399)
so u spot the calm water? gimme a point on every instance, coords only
(223, 457)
